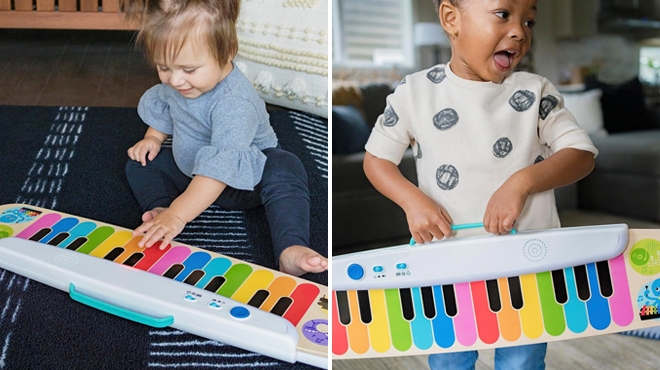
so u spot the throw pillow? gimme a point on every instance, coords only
(283, 51)
(624, 107)
(587, 110)
(349, 130)
(374, 101)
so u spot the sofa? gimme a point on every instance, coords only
(625, 181)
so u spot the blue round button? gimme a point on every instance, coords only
(239, 312)
(401, 266)
(378, 268)
(355, 271)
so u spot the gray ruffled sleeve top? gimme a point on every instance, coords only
(219, 134)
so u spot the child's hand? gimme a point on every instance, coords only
(149, 144)
(427, 219)
(505, 206)
(165, 225)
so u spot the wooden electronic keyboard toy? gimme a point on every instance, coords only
(495, 291)
(207, 294)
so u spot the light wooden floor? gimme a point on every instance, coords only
(605, 352)
(72, 68)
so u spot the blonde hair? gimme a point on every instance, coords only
(166, 25)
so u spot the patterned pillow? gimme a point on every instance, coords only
(283, 50)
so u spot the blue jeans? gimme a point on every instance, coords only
(283, 192)
(529, 357)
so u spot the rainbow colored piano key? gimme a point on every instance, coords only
(507, 309)
(260, 288)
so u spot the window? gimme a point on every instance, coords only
(372, 33)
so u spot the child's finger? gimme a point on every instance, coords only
(445, 227)
(167, 238)
(143, 155)
(493, 225)
(418, 238)
(437, 232)
(142, 228)
(147, 236)
(500, 227)
(153, 152)
(154, 235)
(426, 236)
(487, 222)
(508, 222)
(448, 218)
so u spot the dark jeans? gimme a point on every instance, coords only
(282, 190)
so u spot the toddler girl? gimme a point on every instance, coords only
(489, 144)
(224, 151)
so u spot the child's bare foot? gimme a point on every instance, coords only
(297, 260)
(150, 215)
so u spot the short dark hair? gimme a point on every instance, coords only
(437, 3)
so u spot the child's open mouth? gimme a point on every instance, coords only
(504, 59)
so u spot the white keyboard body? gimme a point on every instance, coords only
(477, 258)
(193, 310)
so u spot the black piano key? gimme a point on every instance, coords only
(493, 295)
(173, 271)
(559, 283)
(258, 298)
(133, 259)
(364, 305)
(342, 307)
(515, 291)
(407, 304)
(428, 302)
(604, 278)
(215, 284)
(58, 239)
(281, 306)
(194, 277)
(582, 282)
(77, 243)
(40, 234)
(450, 300)
(114, 254)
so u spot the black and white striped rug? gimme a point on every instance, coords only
(71, 159)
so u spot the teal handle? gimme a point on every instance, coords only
(118, 311)
(465, 226)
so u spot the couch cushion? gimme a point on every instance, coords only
(373, 101)
(624, 107)
(349, 130)
(635, 153)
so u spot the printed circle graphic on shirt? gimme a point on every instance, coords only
(522, 100)
(548, 103)
(436, 75)
(445, 119)
(502, 147)
(418, 155)
(390, 117)
(538, 159)
(447, 177)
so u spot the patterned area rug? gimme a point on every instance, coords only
(71, 159)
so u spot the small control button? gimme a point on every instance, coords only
(401, 266)
(215, 305)
(378, 268)
(240, 312)
(190, 297)
(355, 271)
